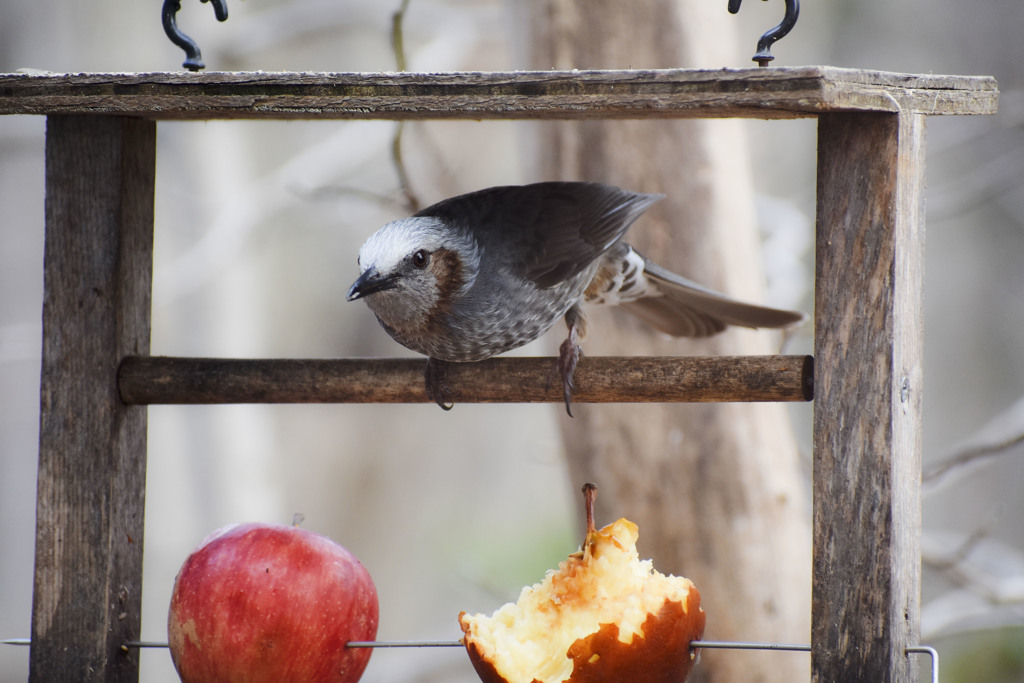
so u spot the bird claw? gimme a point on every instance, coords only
(568, 357)
(435, 382)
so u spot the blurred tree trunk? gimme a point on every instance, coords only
(716, 489)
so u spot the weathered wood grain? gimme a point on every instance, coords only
(160, 380)
(867, 412)
(781, 92)
(92, 448)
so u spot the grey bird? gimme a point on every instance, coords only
(479, 274)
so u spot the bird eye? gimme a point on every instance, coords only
(421, 259)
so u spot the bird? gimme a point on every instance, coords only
(479, 274)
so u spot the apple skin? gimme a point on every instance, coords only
(271, 603)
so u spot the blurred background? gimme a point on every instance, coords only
(257, 228)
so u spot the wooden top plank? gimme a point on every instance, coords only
(780, 92)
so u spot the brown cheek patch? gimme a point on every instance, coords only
(446, 266)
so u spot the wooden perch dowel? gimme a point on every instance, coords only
(162, 380)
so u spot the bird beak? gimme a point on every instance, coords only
(370, 282)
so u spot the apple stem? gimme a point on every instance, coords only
(589, 495)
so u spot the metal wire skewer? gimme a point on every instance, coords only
(405, 643)
(702, 644)
(142, 643)
(730, 645)
(932, 653)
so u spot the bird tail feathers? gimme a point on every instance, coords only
(688, 309)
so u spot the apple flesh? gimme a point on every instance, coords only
(273, 603)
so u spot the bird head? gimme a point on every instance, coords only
(412, 267)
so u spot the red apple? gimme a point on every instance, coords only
(262, 602)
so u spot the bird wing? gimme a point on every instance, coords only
(545, 232)
(688, 309)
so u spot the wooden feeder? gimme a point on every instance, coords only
(97, 376)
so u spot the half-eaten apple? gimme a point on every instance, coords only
(603, 615)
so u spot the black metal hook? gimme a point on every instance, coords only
(764, 45)
(193, 58)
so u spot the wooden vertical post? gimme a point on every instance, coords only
(92, 448)
(867, 398)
